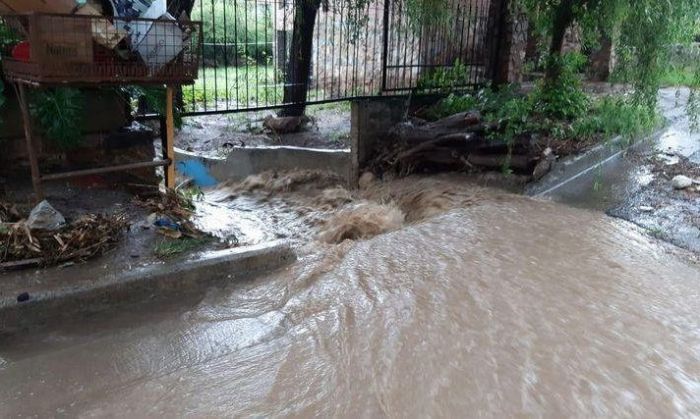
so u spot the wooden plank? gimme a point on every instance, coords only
(170, 138)
(31, 151)
(100, 170)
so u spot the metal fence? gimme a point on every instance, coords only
(376, 49)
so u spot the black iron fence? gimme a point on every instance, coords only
(377, 48)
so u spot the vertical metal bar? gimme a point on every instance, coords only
(236, 52)
(333, 50)
(245, 49)
(339, 49)
(226, 62)
(471, 34)
(325, 51)
(204, 72)
(317, 47)
(348, 46)
(266, 27)
(257, 53)
(216, 64)
(385, 48)
(376, 70)
(407, 26)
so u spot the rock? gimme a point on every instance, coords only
(23, 297)
(681, 182)
(45, 217)
(366, 180)
(284, 124)
(544, 165)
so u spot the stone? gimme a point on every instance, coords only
(45, 217)
(285, 124)
(681, 182)
(544, 165)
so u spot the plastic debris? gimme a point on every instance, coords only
(45, 217)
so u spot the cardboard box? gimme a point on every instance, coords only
(162, 43)
(143, 9)
(103, 31)
(57, 39)
(43, 6)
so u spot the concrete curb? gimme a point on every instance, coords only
(571, 168)
(144, 284)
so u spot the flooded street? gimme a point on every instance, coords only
(417, 297)
(508, 307)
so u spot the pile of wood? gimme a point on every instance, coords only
(459, 142)
(87, 237)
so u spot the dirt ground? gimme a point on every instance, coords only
(216, 135)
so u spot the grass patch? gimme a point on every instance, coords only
(170, 248)
(242, 86)
(678, 76)
(615, 116)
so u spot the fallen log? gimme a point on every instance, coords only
(518, 162)
(460, 124)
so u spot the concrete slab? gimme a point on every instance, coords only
(243, 162)
(61, 294)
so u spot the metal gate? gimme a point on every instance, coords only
(447, 51)
(373, 50)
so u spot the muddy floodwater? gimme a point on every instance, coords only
(470, 303)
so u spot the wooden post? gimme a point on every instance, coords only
(170, 138)
(31, 151)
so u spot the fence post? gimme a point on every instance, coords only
(385, 45)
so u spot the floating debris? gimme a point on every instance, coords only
(88, 236)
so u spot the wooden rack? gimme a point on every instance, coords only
(72, 36)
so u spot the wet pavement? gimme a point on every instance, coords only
(500, 306)
(635, 185)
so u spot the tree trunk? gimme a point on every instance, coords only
(176, 7)
(563, 17)
(299, 67)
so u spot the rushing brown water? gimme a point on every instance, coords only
(470, 304)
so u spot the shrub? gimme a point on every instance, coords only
(615, 116)
(447, 79)
(61, 114)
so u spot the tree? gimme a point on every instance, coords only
(299, 66)
(643, 28)
(176, 7)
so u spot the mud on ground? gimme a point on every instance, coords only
(217, 135)
(667, 213)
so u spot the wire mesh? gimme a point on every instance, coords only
(88, 49)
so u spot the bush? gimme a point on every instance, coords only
(446, 79)
(615, 116)
(559, 110)
(61, 115)
(236, 31)
(563, 98)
